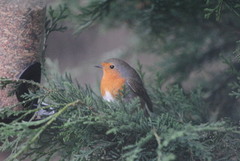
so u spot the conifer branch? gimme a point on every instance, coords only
(50, 119)
(98, 130)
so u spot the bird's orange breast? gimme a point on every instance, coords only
(112, 82)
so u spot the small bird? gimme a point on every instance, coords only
(119, 76)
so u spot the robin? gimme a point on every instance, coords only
(119, 76)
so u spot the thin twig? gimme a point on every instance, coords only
(51, 119)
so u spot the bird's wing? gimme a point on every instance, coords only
(139, 90)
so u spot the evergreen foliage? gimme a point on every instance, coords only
(188, 35)
(85, 127)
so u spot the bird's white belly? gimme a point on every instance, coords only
(108, 97)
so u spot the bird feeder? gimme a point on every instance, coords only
(21, 42)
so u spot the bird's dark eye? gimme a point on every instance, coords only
(111, 66)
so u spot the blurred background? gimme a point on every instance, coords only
(78, 52)
(193, 44)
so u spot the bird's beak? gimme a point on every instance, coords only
(98, 66)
